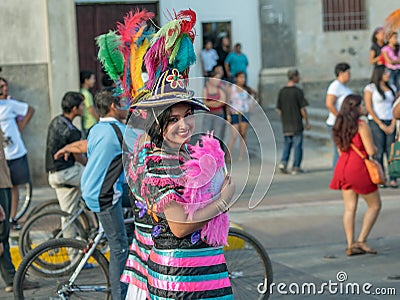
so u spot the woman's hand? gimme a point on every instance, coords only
(227, 191)
(391, 128)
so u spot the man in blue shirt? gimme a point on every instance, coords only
(236, 62)
(103, 179)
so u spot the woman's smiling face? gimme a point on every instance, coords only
(180, 126)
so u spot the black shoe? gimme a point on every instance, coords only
(14, 224)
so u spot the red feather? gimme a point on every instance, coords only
(392, 21)
(132, 23)
(188, 20)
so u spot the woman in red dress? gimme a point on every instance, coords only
(351, 175)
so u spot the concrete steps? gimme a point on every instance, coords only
(319, 132)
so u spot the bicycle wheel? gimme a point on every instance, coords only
(24, 200)
(64, 255)
(249, 266)
(47, 205)
(45, 226)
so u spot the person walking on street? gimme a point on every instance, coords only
(291, 108)
(335, 95)
(352, 135)
(236, 62)
(64, 175)
(90, 115)
(14, 117)
(379, 97)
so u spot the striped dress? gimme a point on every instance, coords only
(179, 268)
(135, 272)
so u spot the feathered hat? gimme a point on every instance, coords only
(167, 62)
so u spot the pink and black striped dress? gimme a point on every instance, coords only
(179, 268)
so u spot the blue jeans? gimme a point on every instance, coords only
(295, 141)
(7, 269)
(112, 221)
(335, 151)
(382, 141)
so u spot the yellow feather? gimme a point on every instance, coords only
(136, 66)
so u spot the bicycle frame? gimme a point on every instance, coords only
(68, 289)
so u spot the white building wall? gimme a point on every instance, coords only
(245, 26)
(318, 52)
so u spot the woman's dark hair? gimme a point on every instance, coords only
(373, 38)
(71, 100)
(156, 128)
(104, 99)
(376, 78)
(3, 79)
(346, 125)
(341, 67)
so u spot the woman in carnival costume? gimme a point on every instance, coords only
(186, 261)
(187, 206)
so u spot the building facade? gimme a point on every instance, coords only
(40, 52)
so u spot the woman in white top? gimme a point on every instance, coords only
(238, 112)
(379, 97)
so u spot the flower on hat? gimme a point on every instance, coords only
(175, 79)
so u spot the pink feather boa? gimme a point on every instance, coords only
(207, 162)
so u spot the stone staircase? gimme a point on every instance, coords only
(319, 132)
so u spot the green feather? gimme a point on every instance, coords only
(109, 55)
(171, 31)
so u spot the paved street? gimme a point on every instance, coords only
(299, 223)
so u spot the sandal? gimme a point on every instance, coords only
(393, 185)
(354, 251)
(364, 247)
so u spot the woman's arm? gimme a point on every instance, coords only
(372, 59)
(366, 137)
(396, 111)
(180, 223)
(370, 109)
(389, 60)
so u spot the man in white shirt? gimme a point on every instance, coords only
(14, 116)
(337, 92)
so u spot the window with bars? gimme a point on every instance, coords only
(341, 15)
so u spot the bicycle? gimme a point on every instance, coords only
(65, 275)
(48, 224)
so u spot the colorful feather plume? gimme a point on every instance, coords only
(392, 21)
(172, 46)
(135, 37)
(109, 55)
